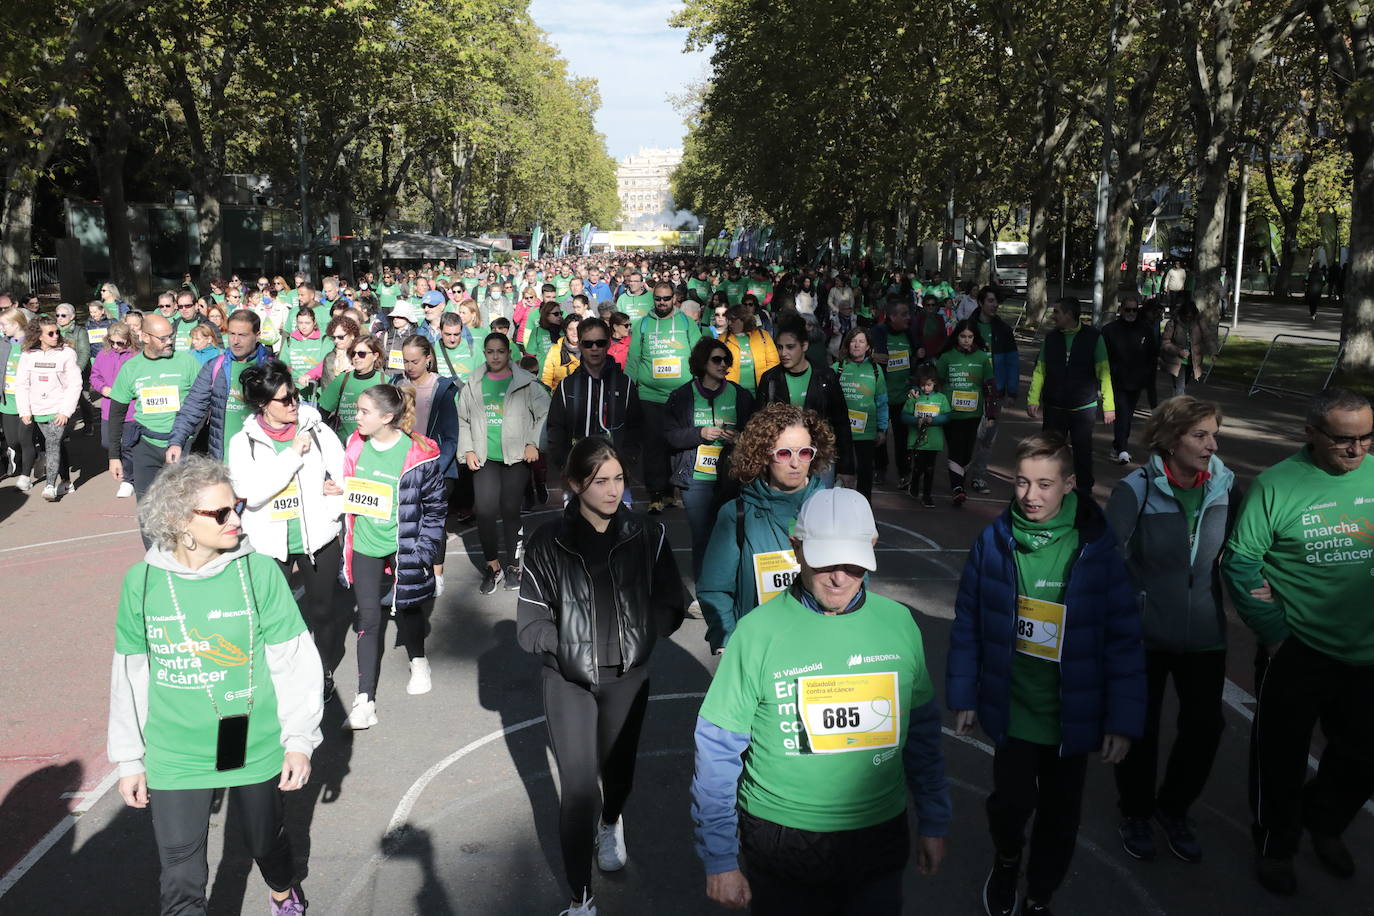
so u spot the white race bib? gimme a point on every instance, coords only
(964, 400)
(667, 367)
(708, 459)
(97, 336)
(395, 361)
(368, 497)
(849, 712)
(928, 409)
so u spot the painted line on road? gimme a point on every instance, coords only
(40, 849)
(84, 537)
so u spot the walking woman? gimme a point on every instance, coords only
(47, 388)
(703, 419)
(203, 608)
(968, 380)
(779, 460)
(286, 466)
(19, 448)
(752, 351)
(1171, 518)
(1186, 346)
(436, 414)
(864, 385)
(339, 401)
(501, 414)
(394, 513)
(342, 332)
(116, 349)
(798, 381)
(305, 348)
(599, 588)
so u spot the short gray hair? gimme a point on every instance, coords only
(167, 507)
(1334, 399)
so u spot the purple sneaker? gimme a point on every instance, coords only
(291, 906)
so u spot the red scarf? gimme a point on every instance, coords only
(285, 434)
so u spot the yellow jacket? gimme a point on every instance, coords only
(764, 351)
(557, 366)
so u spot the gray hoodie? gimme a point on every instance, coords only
(294, 665)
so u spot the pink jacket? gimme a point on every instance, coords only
(49, 382)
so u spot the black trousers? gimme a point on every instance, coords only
(960, 438)
(1033, 779)
(148, 457)
(1126, 401)
(450, 483)
(19, 438)
(1198, 681)
(1301, 687)
(498, 490)
(322, 606)
(371, 582)
(654, 449)
(795, 872)
(896, 434)
(1077, 425)
(594, 733)
(864, 450)
(181, 827)
(922, 471)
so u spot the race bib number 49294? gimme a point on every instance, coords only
(368, 497)
(849, 712)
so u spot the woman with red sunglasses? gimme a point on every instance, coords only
(779, 460)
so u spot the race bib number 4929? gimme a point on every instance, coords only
(849, 712)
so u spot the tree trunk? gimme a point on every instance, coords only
(1209, 254)
(1357, 323)
(108, 155)
(1038, 246)
(1131, 281)
(16, 229)
(460, 163)
(211, 226)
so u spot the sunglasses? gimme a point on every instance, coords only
(361, 354)
(339, 336)
(663, 298)
(593, 342)
(293, 398)
(186, 305)
(721, 359)
(221, 515)
(784, 455)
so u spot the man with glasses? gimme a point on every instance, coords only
(80, 341)
(167, 305)
(1133, 353)
(636, 300)
(597, 399)
(156, 383)
(1306, 533)
(217, 391)
(187, 317)
(657, 362)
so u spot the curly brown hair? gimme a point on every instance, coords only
(753, 451)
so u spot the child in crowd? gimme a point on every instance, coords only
(925, 411)
(1046, 652)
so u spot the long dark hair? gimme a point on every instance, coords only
(968, 324)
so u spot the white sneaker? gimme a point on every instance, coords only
(9, 459)
(24, 483)
(586, 908)
(50, 493)
(125, 490)
(1123, 457)
(610, 846)
(363, 714)
(419, 677)
(63, 488)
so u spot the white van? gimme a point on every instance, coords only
(1011, 266)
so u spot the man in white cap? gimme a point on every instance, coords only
(825, 686)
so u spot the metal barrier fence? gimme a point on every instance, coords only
(1297, 364)
(43, 275)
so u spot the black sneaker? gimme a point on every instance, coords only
(1276, 875)
(999, 891)
(490, 579)
(512, 578)
(960, 497)
(904, 482)
(328, 687)
(1138, 838)
(928, 501)
(1333, 854)
(1036, 909)
(1181, 837)
(980, 486)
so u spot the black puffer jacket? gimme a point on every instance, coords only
(556, 616)
(823, 395)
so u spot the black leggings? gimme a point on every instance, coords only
(322, 606)
(863, 466)
(593, 732)
(181, 827)
(923, 471)
(370, 583)
(449, 484)
(498, 490)
(960, 438)
(20, 438)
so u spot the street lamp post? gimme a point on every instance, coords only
(1104, 178)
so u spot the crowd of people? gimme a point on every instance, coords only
(340, 433)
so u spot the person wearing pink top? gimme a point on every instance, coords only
(118, 349)
(47, 388)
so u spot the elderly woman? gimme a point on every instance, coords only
(778, 460)
(1171, 518)
(215, 684)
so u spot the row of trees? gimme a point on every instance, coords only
(830, 114)
(455, 112)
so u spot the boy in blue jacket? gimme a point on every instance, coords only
(1046, 651)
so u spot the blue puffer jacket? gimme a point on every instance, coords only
(1102, 660)
(208, 395)
(420, 511)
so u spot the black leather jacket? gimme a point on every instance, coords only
(556, 617)
(823, 395)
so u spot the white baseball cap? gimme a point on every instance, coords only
(836, 528)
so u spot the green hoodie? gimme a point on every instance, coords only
(730, 576)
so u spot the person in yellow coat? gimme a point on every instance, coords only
(564, 357)
(751, 348)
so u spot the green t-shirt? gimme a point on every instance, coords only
(900, 356)
(635, 306)
(936, 405)
(294, 542)
(236, 410)
(494, 406)
(797, 385)
(761, 291)
(458, 362)
(859, 382)
(825, 772)
(156, 388)
(305, 354)
(561, 285)
(1314, 533)
(734, 290)
(746, 363)
(1190, 499)
(205, 650)
(962, 376)
(342, 397)
(702, 288)
(375, 537)
(387, 295)
(8, 404)
(722, 411)
(1044, 554)
(182, 330)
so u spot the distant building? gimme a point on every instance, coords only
(642, 183)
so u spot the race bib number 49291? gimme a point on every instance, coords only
(849, 712)
(161, 399)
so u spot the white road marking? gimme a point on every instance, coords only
(84, 537)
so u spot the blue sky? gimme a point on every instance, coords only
(636, 58)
